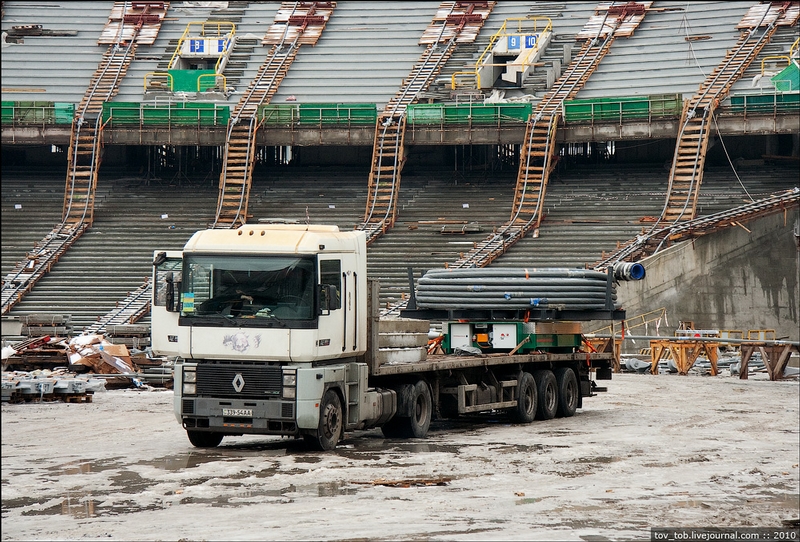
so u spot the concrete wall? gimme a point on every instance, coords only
(730, 279)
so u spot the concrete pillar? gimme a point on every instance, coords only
(567, 53)
(557, 68)
(551, 77)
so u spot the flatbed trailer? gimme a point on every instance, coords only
(276, 331)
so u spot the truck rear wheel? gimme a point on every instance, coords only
(568, 392)
(330, 422)
(202, 439)
(415, 398)
(547, 389)
(525, 411)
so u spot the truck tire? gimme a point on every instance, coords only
(525, 411)
(203, 439)
(547, 389)
(568, 392)
(415, 400)
(331, 421)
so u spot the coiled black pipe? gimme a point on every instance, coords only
(517, 288)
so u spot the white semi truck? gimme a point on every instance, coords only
(275, 331)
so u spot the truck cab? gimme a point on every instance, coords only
(264, 321)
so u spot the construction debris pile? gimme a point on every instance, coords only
(52, 368)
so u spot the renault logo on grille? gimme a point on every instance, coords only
(238, 382)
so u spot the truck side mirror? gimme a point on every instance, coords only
(329, 298)
(170, 301)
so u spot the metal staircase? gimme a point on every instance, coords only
(296, 24)
(686, 173)
(143, 20)
(654, 240)
(127, 311)
(454, 23)
(537, 152)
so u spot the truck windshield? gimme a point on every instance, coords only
(276, 287)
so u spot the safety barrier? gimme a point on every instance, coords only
(786, 102)
(467, 113)
(326, 114)
(27, 113)
(180, 114)
(623, 108)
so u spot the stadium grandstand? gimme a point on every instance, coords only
(455, 134)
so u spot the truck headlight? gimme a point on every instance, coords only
(189, 389)
(289, 383)
(189, 376)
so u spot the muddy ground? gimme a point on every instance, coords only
(654, 451)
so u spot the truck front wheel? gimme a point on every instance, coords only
(548, 394)
(525, 412)
(202, 439)
(330, 422)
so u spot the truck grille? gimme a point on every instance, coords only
(253, 381)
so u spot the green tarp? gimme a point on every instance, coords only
(788, 80)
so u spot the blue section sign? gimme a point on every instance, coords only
(516, 42)
(196, 46)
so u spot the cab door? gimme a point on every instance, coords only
(333, 321)
(167, 267)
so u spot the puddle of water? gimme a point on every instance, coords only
(130, 482)
(20, 502)
(85, 466)
(79, 505)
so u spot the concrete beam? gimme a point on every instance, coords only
(477, 134)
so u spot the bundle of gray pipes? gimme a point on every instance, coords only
(521, 288)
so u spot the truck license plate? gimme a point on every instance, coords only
(238, 412)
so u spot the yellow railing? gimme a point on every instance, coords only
(774, 57)
(635, 321)
(206, 30)
(217, 77)
(795, 48)
(761, 334)
(540, 24)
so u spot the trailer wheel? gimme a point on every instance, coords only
(547, 389)
(202, 439)
(330, 422)
(417, 401)
(421, 410)
(525, 412)
(568, 392)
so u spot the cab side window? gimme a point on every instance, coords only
(330, 274)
